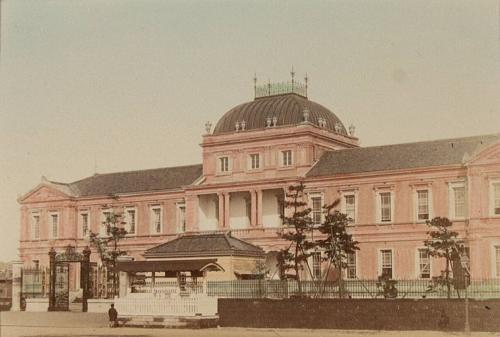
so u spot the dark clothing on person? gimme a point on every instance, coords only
(113, 316)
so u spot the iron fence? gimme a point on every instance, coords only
(479, 289)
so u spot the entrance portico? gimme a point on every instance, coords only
(237, 210)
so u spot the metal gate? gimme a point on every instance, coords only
(62, 287)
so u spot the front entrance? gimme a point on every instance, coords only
(62, 287)
(59, 277)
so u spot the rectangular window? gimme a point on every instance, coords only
(497, 260)
(424, 263)
(131, 220)
(422, 205)
(385, 207)
(54, 221)
(386, 262)
(84, 219)
(351, 266)
(224, 164)
(35, 226)
(350, 207)
(156, 220)
(286, 157)
(254, 161)
(317, 209)
(181, 218)
(459, 201)
(105, 221)
(316, 264)
(496, 198)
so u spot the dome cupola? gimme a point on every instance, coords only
(276, 105)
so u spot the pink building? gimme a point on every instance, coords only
(259, 148)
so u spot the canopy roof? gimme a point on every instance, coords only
(161, 266)
(201, 245)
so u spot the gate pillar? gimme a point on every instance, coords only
(16, 285)
(85, 276)
(52, 279)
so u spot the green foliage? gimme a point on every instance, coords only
(338, 243)
(296, 227)
(444, 243)
(387, 287)
(260, 269)
(107, 245)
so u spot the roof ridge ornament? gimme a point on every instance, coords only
(280, 88)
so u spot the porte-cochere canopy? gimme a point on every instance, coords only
(174, 266)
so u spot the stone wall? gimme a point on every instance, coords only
(372, 314)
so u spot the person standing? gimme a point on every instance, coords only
(113, 316)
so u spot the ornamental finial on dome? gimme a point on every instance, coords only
(305, 114)
(208, 127)
(352, 129)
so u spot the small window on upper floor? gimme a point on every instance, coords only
(457, 200)
(348, 206)
(254, 163)
(385, 206)
(181, 217)
(54, 225)
(84, 224)
(423, 205)
(223, 164)
(495, 198)
(156, 220)
(35, 226)
(286, 157)
(316, 204)
(131, 220)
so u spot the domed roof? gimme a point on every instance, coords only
(288, 108)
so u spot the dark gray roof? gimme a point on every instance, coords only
(137, 181)
(400, 156)
(288, 108)
(216, 244)
(176, 265)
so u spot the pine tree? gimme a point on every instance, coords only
(443, 243)
(107, 245)
(298, 224)
(338, 243)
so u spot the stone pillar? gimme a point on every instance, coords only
(253, 208)
(85, 276)
(17, 267)
(227, 199)
(52, 284)
(192, 204)
(220, 197)
(124, 278)
(259, 208)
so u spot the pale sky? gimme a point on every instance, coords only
(129, 84)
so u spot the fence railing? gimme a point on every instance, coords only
(480, 289)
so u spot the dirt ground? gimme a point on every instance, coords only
(26, 324)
